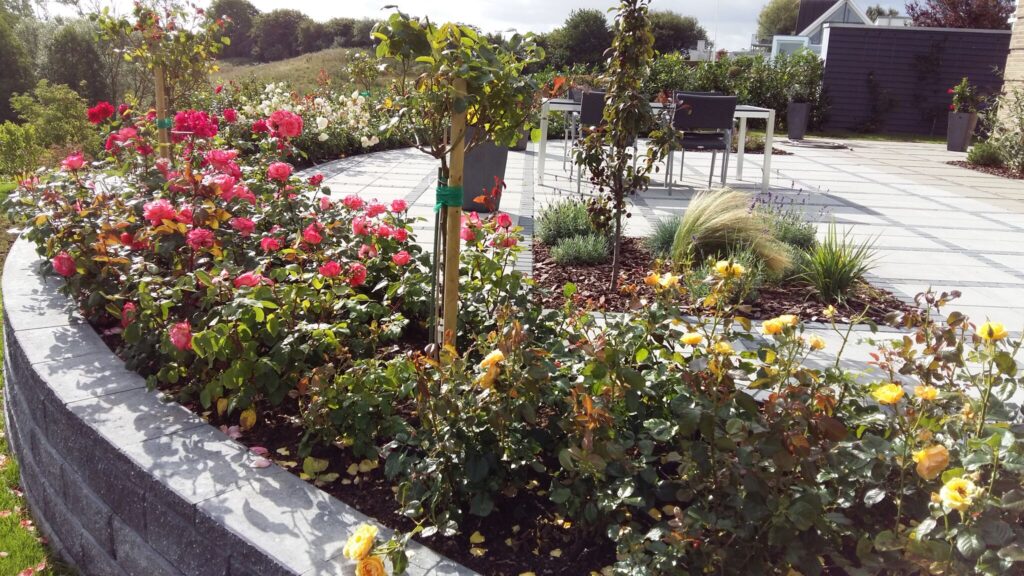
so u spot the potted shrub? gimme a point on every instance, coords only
(963, 116)
(499, 97)
(805, 83)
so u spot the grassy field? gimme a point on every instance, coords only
(5, 188)
(300, 72)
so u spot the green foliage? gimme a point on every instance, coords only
(582, 39)
(836, 264)
(965, 97)
(662, 237)
(563, 219)
(674, 32)
(701, 281)
(589, 249)
(16, 73)
(985, 153)
(72, 59)
(877, 11)
(19, 149)
(717, 222)
(241, 16)
(58, 116)
(1008, 133)
(786, 221)
(778, 17)
(275, 34)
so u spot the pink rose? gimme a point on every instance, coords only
(271, 244)
(279, 171)
(401, 258)
(353, 202)
(467, 234)
(251, 279)
(472, 220)
(244, 226)
(325, 203)
(357, 274)
(181, 335)
(316, 179)
(360, 226)
(158, 210)
(199, 238)
(230, 115)
(220, 159)
(504, 220)
(367, 251)
(260, 126)
(312, 234)
(399, 205)
(400, 234)
(73, 162)
(223, 183)
(64, 264)
(241, 192)
(286, 124)
(375, 209)
(330, 269)
(511, 241)
(184, 215)
(385, 231)
(128, 312)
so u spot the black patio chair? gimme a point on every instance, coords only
(706, 121)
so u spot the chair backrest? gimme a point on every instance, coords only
(592, 109)
(704, 112)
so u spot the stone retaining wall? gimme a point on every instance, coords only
(124, 482)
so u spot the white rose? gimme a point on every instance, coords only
(321, 123)
(322, 137)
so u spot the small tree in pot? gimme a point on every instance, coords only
(963, 116)
(805, 73)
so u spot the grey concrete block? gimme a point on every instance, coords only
(133, 416)
(48, 462)
(135, 556)
(87, 376)
(34, 301)
(59, 343)
(177, 538)
(92, 513)
(94, 559)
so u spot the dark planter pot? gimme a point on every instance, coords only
(483, 163)
(797, 116)
(959, 130)
(523, 141)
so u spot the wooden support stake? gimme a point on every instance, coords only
(163, 134)
(453, 222)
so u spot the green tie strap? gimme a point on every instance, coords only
(448, 196)
(164, 123)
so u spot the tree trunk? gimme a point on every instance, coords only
(615, 250)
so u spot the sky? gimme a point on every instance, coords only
(730, 23)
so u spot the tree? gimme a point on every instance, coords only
(313, 36)
(15, 67)
(984, 14)
(241, 15)
(73, 60)
(674, 32)
(877, 11)
(583, 39)
(778, 17)
(275, 35)
(57, 114)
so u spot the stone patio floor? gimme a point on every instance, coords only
(934, 225)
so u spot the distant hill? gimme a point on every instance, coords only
(300, 72)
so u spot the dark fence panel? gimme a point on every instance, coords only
(881, 79)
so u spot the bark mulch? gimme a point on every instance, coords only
(993, 170)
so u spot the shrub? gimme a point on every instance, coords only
(588, 249)
(787, 222)
(19, 150)
(836, 264)
(1008, 132)
(58, 115)
(563, 219)
(661, 238)
(719, 220)
(701, 281)
(985, 153)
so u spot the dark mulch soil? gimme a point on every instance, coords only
(993, 170)
(775, 151)
(790, 297)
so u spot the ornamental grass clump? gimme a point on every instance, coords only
(563, 219)
(836, 264)
(587, 250)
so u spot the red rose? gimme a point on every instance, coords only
(357, 274)
(199, 238)
(375, 209)
(223, 183)
(952, 107)
(73, 162)
(230, 115)
(325, 203)
(271, 244)
(196, 123)
(467, 234)
(181, 335)
(367, 251)
(400, 234)
(279, 171)
(218, 88)
(184, 215)
(100, 112)
(360, 226)
(401, 258)
(222, 160)
(330, 269)
(260, 126)
(504, 220)
(244, 226)
(64, 264)
(286, 124)
(157, 211)
(399, 205)
(316, 179)
(312, 234)
(950, 91)
(250, 279)
(123, 109)
(128, 312)
(385, 231)
(353, 202)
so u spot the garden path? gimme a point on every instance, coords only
(935, 225)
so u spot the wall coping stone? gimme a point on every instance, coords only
(170, 493)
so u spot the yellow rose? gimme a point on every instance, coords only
(710, 301)
(926, 392)
(830, 312)
(371, 566)
(958, 494)
(816, 342)
(668, 280)
(931, 461)
(888, 394)
(772, 327)
(492, 359)
(652, 278)
(729, 269)
(692, 338)
(723, 347)
(991, 331)
(789, 319)
(360, 543)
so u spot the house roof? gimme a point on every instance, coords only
(823, 17)
(811, 10)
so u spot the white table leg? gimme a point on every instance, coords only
(740, 147)
(542, 150)
(769, 137)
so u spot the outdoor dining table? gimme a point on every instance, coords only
(743, 113)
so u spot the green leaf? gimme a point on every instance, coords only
(802, 515)
(874, 496)
(569, 290)
(560, 495)
(924, 528)
(994, 531)
(642, 354)
(886, 541)
(314, 466)
(970, 544)
(1013, 553)
(1013, 500)
(952, 473)
(660, 430)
